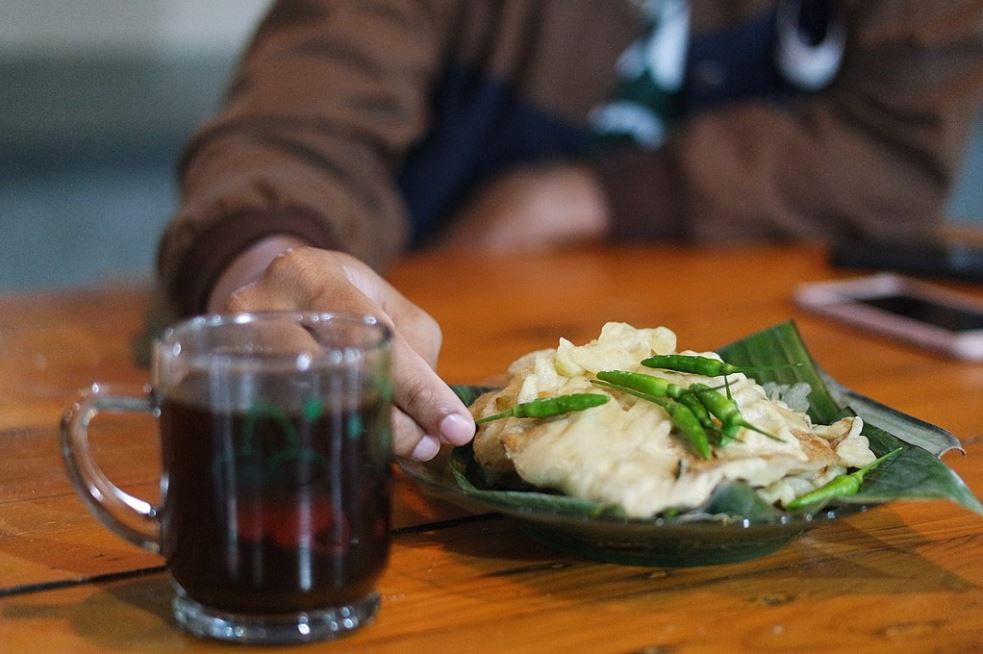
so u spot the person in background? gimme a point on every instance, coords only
(355, 131)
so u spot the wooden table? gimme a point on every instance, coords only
(905, 577)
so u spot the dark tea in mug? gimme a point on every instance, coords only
(276, 480)
(277, 495)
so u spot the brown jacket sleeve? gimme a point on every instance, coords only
(328, 98)
(872, 155)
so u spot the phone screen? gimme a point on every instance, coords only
(946, 317)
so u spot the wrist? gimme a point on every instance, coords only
(247, 267)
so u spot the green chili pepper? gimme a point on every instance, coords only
(841, 485)
(688, 425)
(731, 432)
(683, 419)
(546, 407)
(700, 365)
(692, 363)
(641, 382)
(726, 410)
(658, 387)
(693, 404)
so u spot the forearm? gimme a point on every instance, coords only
(248, 267)
(294, 152)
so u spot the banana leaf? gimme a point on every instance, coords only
(781, 357)
(917, 474)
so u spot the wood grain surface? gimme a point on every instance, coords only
(903, 577)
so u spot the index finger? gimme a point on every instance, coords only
(422, 394)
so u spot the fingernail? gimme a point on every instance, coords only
(456, 429)
(426, 449)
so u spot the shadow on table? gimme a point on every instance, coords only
(875, 553)
(127, 616)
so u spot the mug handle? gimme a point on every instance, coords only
(134, 519)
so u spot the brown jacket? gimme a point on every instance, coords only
(335, 128)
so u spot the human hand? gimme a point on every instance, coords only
(304, 278)
(532, 208)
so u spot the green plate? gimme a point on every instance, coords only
(659, 542)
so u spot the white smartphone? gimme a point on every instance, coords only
(920, 313)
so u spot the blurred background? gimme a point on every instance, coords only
(98, 98)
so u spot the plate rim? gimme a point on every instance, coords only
(454, 493)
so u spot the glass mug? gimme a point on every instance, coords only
(276, 472)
